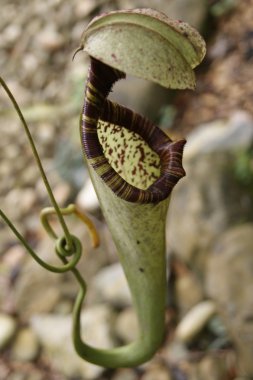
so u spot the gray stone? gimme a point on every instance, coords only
(8, 327)
(229, 282)
(111, 286)
(126, 326)
(210, 198)
(194, 321)
(26, 346)
(54, 333)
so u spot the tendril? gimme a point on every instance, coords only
(70, 209)
(76, 250)
(61, 246)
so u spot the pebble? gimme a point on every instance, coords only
(126, 325)
(14, 256)
(50, 39)
(212, 367)
(84, 8)
(26, 346)
(111, 286)
(188, 292)
(157, 373)
(175, 352)
(45, 133)
(8, 328)
(125, 374)
(62, 192)
(194, 321)
(87, 198)
(11, 33)
(30, 62)
(28, 199)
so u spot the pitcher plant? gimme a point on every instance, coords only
(132, 163)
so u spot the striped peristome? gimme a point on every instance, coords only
(156, 160)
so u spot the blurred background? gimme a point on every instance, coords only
(210, 227)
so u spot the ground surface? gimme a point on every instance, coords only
(224, 84)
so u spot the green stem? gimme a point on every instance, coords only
(38, 161)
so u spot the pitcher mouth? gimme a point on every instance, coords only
(134, 157)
